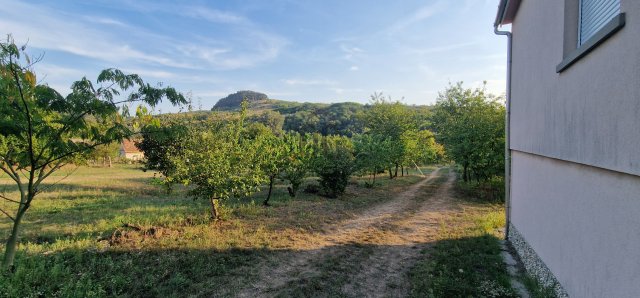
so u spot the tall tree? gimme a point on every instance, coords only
(470, 124)
(372, 154)
(41, 131)
(390, 119)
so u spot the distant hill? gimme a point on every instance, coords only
(233, 101)
(304, 117)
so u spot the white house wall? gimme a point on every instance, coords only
(589, 113)
(575, 137)
(583, 222)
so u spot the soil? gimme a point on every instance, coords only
(367, 256)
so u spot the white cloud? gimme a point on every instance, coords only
(52, 70)
(105, 21)
(495, 86)
(294, 82)
(350, 52)
(354, 68)
(248, 47)
(197, 12)
(439, 49)
(48, 29)
(341, 91)
(420, 15)
(146, 73)
(211, 15)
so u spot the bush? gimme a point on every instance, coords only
(312, 188)
(491, 190)
(334, 163)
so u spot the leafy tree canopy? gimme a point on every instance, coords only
(470, 125)
(41, 130)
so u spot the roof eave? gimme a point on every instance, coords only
(507, 10)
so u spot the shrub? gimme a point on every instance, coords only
(312, 188)
(334, 163)
(491, 190)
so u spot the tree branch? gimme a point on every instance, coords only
(10, 200)
(8, 173)
(26, 108)
(17, 177)
(60, 132)
(53, 169)
(7, 214)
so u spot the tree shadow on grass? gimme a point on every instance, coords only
(181, 272)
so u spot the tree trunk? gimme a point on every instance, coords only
(390, 173)
(12, 242)
(109, 161)
(291, 192)
(464, 173)
(402, 170)
(215, 214)
(266, 201)
(374, 177)
(396, 174)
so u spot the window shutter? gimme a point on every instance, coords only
(594, 14)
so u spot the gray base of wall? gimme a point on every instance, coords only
(533, 264)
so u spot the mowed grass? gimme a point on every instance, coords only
(465, 261)
(111, 232)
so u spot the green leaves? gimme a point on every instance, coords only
(41, 130)
(334, 163)
(298, 155)
(470, 124)
(394, 136)
(216, 163)
(372, 153)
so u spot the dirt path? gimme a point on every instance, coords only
(367, 256)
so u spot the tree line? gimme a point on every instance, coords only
(233, 157)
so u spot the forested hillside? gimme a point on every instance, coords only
(343, 118)
(232, 101)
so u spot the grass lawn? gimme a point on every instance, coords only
(465, 261)
(110, 232)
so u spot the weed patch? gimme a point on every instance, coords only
(466, 260)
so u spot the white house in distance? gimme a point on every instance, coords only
(129, 150)
(574, 141)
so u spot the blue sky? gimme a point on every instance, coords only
(316, 51)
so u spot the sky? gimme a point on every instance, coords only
(301, 50)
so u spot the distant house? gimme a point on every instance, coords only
(574, 140)
(129, 150)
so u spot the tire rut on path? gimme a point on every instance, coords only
(386, 273)
(383, 242)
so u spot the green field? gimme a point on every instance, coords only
(74, 238)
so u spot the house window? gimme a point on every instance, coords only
(587, 24)
(595, 14)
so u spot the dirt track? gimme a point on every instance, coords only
(367, 256)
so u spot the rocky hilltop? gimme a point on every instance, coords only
(233, 101)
